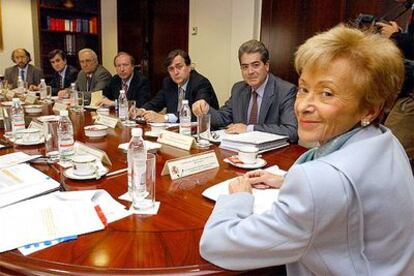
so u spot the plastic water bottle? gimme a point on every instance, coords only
(17, 118)
(137, 156)
(42, 89)
(65, 136)
(185, 119)
(122, 106)
(20, 84)
(73, 96)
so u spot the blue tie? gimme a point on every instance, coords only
(22, 74)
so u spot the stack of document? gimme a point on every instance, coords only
(263, 141)
(57, 216)
(20, 181)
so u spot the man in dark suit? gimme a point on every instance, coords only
(92, 77)
(261, 102)
(183, 83)
(64, 74)
(29, 73)
(129, 79)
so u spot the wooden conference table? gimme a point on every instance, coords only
(138, 244)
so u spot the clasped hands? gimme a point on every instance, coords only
(259, 179)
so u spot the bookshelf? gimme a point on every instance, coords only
(69, 25)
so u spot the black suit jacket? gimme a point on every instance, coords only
(138, 90)
(71, 74)
(198, 87)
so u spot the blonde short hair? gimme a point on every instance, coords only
(377, 62)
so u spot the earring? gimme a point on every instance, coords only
(365, 122)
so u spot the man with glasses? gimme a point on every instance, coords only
(183, 83)
(261, 102)
(92, 77)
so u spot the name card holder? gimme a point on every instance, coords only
(10, 94)
(100, 154)
(30, 99)
(108, 121)
(185, 166)
(58, 106)
(36, 125)
(176, 140)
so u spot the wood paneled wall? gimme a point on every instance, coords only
(149, 30)
(286, 24)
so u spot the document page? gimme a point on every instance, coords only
(263, 198)
(46, 218)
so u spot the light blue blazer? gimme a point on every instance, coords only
(348, 213)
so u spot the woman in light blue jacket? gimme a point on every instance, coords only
(345, 207)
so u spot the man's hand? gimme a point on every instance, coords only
(63, 93)
(153, 117)
(105, 102)
(388, 29)
(236, 128)
(33, 87)
(200, 107)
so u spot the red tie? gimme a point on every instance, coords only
(253, 111)
(125, 87)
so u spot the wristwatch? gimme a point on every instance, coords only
(166, 118)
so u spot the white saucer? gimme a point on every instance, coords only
(20, 142)
(260, 162)
(152, 134)
(69, 174)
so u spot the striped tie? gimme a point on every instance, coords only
(253, 111)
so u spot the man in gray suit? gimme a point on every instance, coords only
(29, 73)
(92, 77)
(261, 102)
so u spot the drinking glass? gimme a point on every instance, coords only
(77, 101)
(7, 122)
(131, 107)
(50, 132)
(143, 191)
(48, 92)
(203, 130)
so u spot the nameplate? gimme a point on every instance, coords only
(30, 99)
(10, 94)
(58, 106)
(96, 97)
(37, 125)
(100, 154)
(176, 140)
(185, 166)
(106, 120)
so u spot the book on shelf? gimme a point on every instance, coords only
(263, 141)
(78, 25)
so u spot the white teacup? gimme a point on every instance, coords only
(84, 165)
(156, 128)
(31, 135)
(248, 154)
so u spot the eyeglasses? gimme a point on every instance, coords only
(255, 65)
(178, 67)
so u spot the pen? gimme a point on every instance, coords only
(117, 172)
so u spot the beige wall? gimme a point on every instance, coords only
(222, 26)
(17, 30)
(109, 33)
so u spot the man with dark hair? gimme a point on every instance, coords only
(183, 83)
(261, 102)
(64, 74)
(29, 73)
(129, 79)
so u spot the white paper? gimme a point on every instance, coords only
(37, 246)
(22, 181)
(263, 198)
(14, 158)
(46, 218)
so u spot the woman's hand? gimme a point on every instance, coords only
(261, 179)
(240, 184)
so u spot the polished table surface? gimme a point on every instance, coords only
(138, 244)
